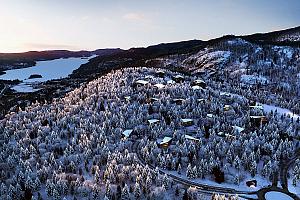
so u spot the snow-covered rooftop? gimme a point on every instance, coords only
(143, 82)
(239, 129)
(191, 138)
(171, 82)
(153, 121)
(197, 87)
(159, 85)
(257, 107)
(127, 132)
(178, 76)
(186, 120)
(164, 140)
(210, 115)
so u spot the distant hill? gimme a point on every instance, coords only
(289, 37)
(135, 57)
(29, 58)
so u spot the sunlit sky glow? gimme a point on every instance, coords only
(91, 24)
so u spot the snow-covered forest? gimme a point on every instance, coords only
(229, 124)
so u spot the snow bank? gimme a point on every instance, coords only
(281, 111)
(277, 195)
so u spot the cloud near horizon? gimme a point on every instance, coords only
(134, 16)
(37, 46)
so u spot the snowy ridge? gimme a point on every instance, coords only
(205, 59)
(293, 37)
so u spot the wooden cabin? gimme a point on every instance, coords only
(238, 129)
(159, 86)
(201, 100)
(140, 83)
(160, 73)
(227, 108)
(153, 121)
(199, 83)
(258, 120)
(188, 137)
(226, 135)
(178, 101)
(187, 122)
(164, 143)
(251, 183)
(178, 78)
(127, 133)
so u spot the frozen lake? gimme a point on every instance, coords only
(49, 70)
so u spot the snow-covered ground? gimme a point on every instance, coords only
(24, 87)
(281, 111)
(252, 79)
(277, 196)
(293, 189)
(261, 182)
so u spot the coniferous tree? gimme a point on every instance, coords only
(125, 193)
(137, 190)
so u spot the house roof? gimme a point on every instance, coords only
(159, 85)
(257, 107)
(127, 132)
(178, 76)
(143, 82)
(154, 99)
(164, 140)
(197, 87)
(198, 81)
(127, 97)
(186, 120)
(191, 137)
(257, 117)
(170, 82)
(149, 77)
(151, 121)
(210, 115)
(160, 71)
(227, 94)
(179, 99)
(239, 129)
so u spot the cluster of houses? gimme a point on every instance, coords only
(175, 113)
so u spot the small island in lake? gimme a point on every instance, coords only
(32, 76)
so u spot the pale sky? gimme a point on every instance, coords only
(91, 24)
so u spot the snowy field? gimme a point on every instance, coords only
(280, 111)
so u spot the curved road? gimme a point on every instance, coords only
(3, 90)
(208, 189)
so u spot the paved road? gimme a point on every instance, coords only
(3, 90)
(285, 168)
